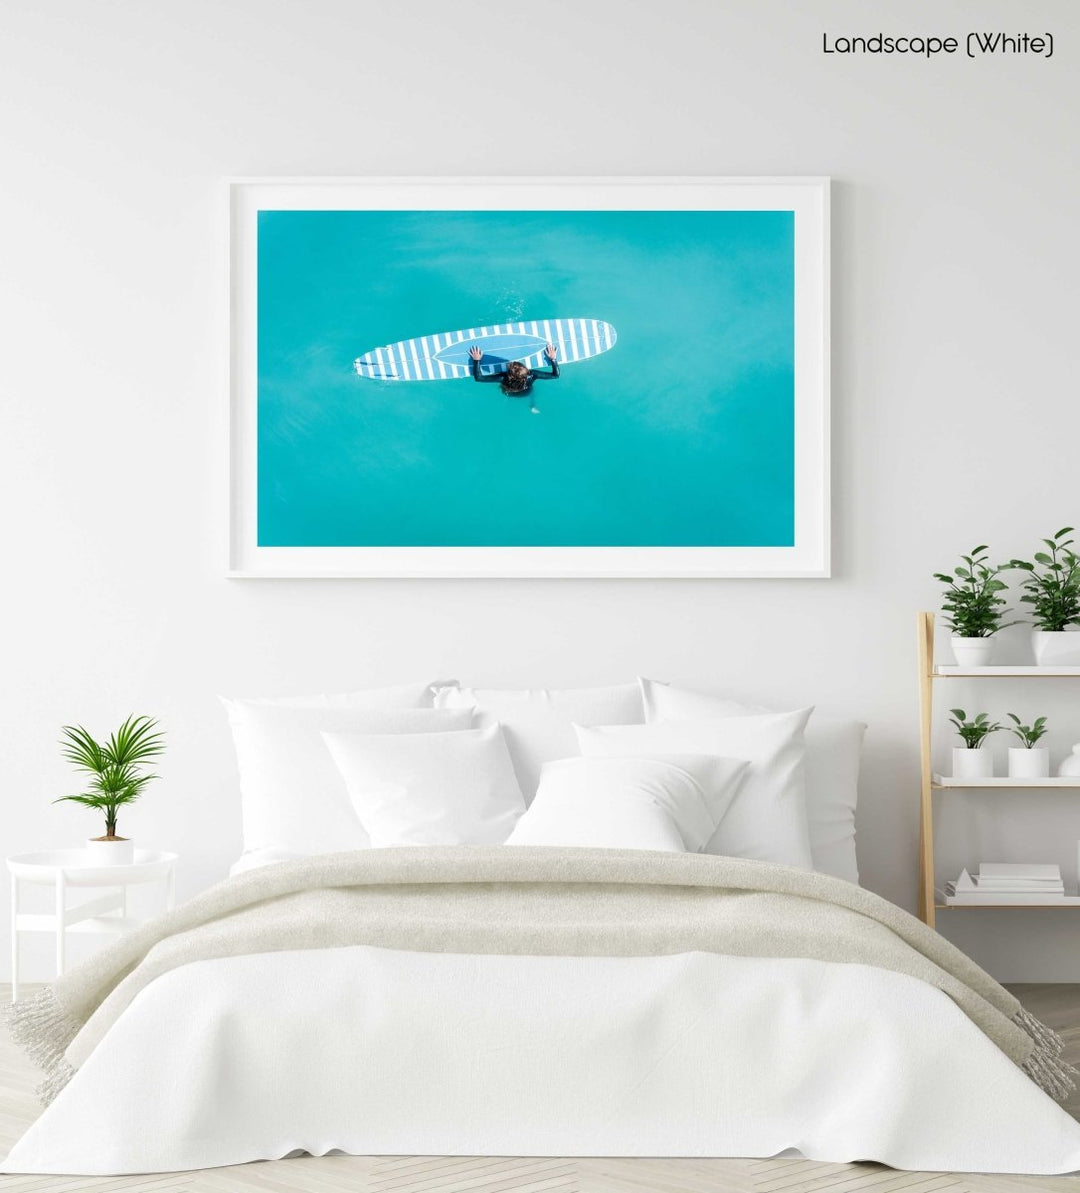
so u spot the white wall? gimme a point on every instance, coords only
(956, 412)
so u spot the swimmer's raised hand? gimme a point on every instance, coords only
(551, 352)
(477, 353)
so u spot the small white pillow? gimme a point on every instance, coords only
(430, 788)
(767, 818)
(833, 754)
(539, 722)
(292, 796)
(670, 803)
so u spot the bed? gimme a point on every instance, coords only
(603, 967)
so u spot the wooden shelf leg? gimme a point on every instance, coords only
(926, 803)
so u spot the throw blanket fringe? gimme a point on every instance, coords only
(527, 901)
(41, 1028)
(1046, 1065)
(1051, 1074)
(1045, 1038)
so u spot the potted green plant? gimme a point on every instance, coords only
(1029, 760)
(970, 761)
(973, 606)
(1052, 589)
(117, 778)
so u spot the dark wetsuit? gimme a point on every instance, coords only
(518, 393)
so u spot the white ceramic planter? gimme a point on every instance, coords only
(972, 764)
(1056, 648)
(120, 852)
(1029, 764)
(972, 652)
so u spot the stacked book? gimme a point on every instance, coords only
(1007, 882)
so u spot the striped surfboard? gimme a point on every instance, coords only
(445, 357)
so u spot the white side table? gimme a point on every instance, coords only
(63, 869)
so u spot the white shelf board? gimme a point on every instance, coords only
(1065, 901)
(943, 670)
(30, 922)
(1002, 781)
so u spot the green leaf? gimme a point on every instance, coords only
(91, 801)
(134, 742)
(80, 749)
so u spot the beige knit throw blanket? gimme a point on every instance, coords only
(526, 901)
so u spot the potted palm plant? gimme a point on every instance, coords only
(969, 760)
(973, 606)
(1029, 760)
(1052, 589)
(117, 778)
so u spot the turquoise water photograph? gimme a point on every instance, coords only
(530, 379)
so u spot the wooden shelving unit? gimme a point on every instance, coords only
(929, 673)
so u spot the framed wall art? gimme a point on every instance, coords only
(529, 377)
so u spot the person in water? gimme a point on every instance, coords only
(516, 380)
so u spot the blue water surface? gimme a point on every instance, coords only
(681, 435)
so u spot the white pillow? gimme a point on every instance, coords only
(672, 803)
(405, 695)
(430, 788)
(833, 750)
(255, 859)
(292, 796)
(767, 818)
(539, 722)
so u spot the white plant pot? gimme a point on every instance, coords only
(120, 852)
(1029, 764)
(972, 764)
(1056, 648)
(972, 652)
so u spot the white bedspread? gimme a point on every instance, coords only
(375, 1051)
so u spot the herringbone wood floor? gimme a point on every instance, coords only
(1057, 1005)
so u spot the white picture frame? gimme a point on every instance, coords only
(806, 197)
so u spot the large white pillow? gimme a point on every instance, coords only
(405, 695)
(833, 752)
(539, 722)
(255, 859)
(430, 788)
(672, 803)
(292, 796)
(767, 818)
